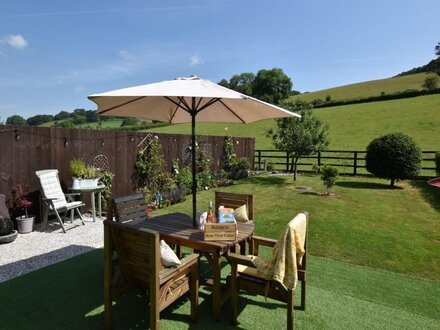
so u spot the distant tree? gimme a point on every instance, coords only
(91, 116)
(431, 81)
(437, 49)
(79, 112)
(299, 136)
(224, 83)
(272, 86)
(242, 83)
(393, 156)
(62, 115)
(129, 122)
(16, 120)
(39, 119)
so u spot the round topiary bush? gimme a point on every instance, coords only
(393, 156)
(6, 226)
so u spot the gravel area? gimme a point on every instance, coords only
(35, 250)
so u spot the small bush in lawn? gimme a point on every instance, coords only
(437, 163)
(393, 156)
(329, 175)
(240, 169)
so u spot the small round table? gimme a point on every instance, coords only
(91, 191)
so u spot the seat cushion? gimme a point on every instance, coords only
(73, 205)
(51, 187)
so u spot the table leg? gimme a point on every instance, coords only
(216, 286)
(99, 204)
(93, 205)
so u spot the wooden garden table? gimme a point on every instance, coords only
(177, 228)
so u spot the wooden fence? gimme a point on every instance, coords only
(26, 149)
(347, 162)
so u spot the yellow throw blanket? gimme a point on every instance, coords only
(286, 254)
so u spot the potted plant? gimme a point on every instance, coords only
(19, 202)
(77, 168)
(83, 176)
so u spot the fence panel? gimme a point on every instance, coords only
(26, 149)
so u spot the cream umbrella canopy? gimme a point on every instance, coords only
(184, 100)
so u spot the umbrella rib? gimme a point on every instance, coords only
(232, 111)
(209, 103)
(121, 105)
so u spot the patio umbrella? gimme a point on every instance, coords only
(185, 100)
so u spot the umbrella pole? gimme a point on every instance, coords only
(193, 163)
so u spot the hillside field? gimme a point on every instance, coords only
(368, 88)
(352, 127)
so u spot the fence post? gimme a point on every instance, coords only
(319, 158)
(287, 161)
(259, 160)
(355, 163)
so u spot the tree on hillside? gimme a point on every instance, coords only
(393, 156)
(437, 49)
(431, 82)
(299, 136)
(272, 86)
(39, 119)
(16, 120)
(241, 83)
(62, 115)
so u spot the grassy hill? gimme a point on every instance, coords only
(368, 88)
(351, 126)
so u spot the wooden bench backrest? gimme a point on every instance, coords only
(128, 208)
(232, 200)
(138, 253)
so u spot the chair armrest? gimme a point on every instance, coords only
(184, 268)
(72, 194)
(241, 259)
(258, 240)
(49, 199)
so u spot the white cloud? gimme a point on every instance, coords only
(125, 55)
(196, 60)
(78, 90)
(16, 41)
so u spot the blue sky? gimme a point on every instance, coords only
(55, 53)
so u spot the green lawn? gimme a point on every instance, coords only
(368, 88)
(364, 223)
(352, 127)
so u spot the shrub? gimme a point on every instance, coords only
(240, 169)
(184, 178)
(329, 175)
(431, 82)
(6, 226)
(437, 163)
(393, 156)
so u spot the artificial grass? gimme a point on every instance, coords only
(69, 295)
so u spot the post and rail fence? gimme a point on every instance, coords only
(348, 162)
